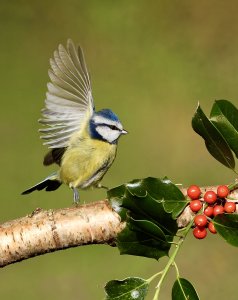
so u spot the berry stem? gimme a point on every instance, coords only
(177, 270)
(181, 287)
(233, 186)
(153, 277)
(171, 261)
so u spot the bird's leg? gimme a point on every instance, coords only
(76, 195)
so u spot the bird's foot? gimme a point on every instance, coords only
(102, 187)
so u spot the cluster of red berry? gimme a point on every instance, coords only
(210, 204)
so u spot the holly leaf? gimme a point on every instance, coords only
(152, 205)
(227, 226)
(224, 115)
(147, 227)
(183, 290)
(146, 208)
(139, 243)
(157, 188)
(128, 289)
(176, 207)
(115, 196)
(160, 189)
(214, 141)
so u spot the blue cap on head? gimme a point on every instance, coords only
(105, 125)
(107, 114)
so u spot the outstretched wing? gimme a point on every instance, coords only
(69, 101)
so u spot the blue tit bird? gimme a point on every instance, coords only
(82, 142)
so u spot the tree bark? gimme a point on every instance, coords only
(47, 231)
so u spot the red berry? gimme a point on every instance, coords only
(200, 232)
(230, 207)
(218, 209)
(195, 205)
(200, 220)
(222, 191)
(194, 192)
(212, 228)
(210, 197)
(208, 211)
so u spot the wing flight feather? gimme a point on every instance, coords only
(69, 102)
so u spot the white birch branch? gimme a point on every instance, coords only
(47, 231)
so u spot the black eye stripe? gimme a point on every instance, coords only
(113, 127)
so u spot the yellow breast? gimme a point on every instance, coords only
(86, 160)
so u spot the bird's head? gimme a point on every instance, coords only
(105, 125)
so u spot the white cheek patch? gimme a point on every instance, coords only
(102, 120)
(108, 134)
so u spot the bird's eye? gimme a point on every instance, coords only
(113, 127)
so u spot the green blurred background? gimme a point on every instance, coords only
(150, 62)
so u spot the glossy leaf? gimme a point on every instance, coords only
(115, 196)
(146, 208)
(147, 227)
(183, 290)
(175, 207)
(128, 289)
(151, 215)
(227, 226)
(224, 115)
(160, 189)
(157, 188)
(214, 141)
(139, 243)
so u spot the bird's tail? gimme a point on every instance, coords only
(50, 183)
